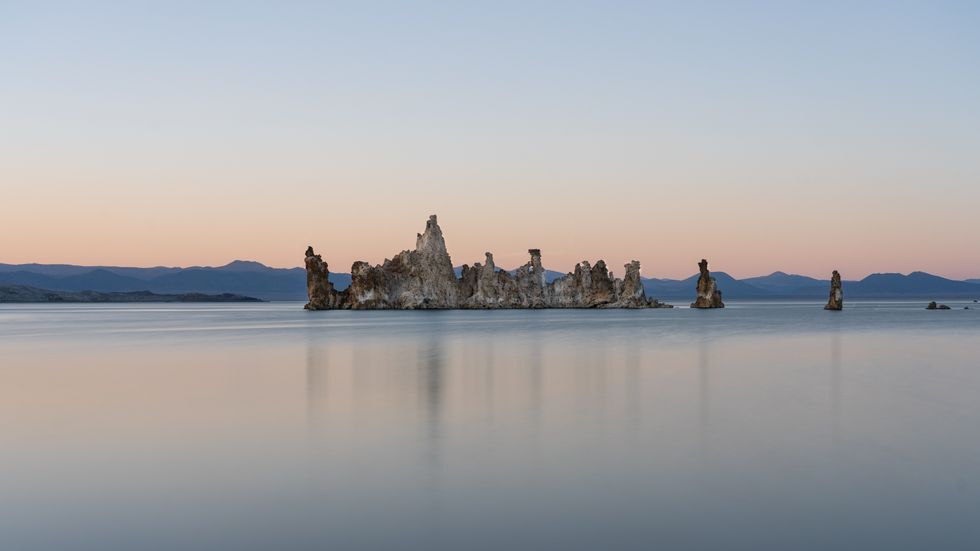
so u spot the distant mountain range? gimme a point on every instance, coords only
(239, 277)
(254, 279)
(783, 285)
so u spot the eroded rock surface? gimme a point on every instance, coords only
(421, 278)
(484, 286)
(424, 278)
(836, 300)
(709, 296)
(320, 291)
(631, 293)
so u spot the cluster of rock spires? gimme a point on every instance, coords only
(424, 278)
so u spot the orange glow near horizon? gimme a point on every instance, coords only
(654, 139)
(668, 243)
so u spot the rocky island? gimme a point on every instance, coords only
(424, 278)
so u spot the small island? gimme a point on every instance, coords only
(25, 294)
(424, 279)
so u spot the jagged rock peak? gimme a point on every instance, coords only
(320, 291)
(537, 268)
(423, 278)
(317, 280)
(708, 294)
(536, 259)
(632, 288)
(836, 300)
(431, 242)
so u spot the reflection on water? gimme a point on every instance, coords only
(262, 426)
(835, 374)
(704, 394)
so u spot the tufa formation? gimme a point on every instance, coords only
(709, 296)
(424, 279)
(318, 288)
(836, 300)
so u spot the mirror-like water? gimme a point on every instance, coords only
(761, 426)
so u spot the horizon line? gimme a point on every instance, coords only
(455, 266)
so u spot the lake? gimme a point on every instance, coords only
(768, 425)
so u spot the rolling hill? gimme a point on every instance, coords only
(782, 283)
(683, 289)
(915, 283)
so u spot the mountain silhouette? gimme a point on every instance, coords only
(783, 283)
(921, 283)
(683, 289)
(238, 277)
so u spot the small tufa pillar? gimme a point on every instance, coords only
(836, 300)
(536, 267)
(318, 286)
(709, 296)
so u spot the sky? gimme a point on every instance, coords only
(763, 136)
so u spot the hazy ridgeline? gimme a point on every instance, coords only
(256, 280)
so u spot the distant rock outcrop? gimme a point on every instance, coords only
(424, 278)
(933, 306)
(836, 300)
(709, 296)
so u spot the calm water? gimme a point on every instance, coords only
(761, 426)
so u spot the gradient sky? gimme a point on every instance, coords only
(798, 136)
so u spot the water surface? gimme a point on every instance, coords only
(262, 426)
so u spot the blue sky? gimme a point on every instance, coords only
(757, 134)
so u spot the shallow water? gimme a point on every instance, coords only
(261, 426)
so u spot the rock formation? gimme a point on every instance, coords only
(531, 283)
(631, 293)
(708, 294)
(318, 287)
(484, 286)
(933, 306)
(424, 278)
(836, 301)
